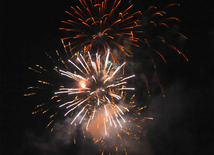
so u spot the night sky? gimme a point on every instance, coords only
(183, 121)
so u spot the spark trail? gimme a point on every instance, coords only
(98, 25)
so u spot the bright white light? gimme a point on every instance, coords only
(82, 84)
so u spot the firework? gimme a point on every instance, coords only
(97, 85)
(158, 32)
(94, 94)
(92, 89)
(160, 38)
(100, 88)
(98, 25)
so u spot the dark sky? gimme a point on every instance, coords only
(184, 119)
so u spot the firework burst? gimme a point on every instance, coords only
(90, 89)
(160, 38)
(94, 94)
(96, 84)
(159, 32)
(100, 87)
(99, 25)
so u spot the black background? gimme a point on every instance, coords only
(183, 121)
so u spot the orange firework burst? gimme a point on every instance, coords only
(160, 38)
(98, 25)
(157, 32)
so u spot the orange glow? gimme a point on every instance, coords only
(82, 84)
